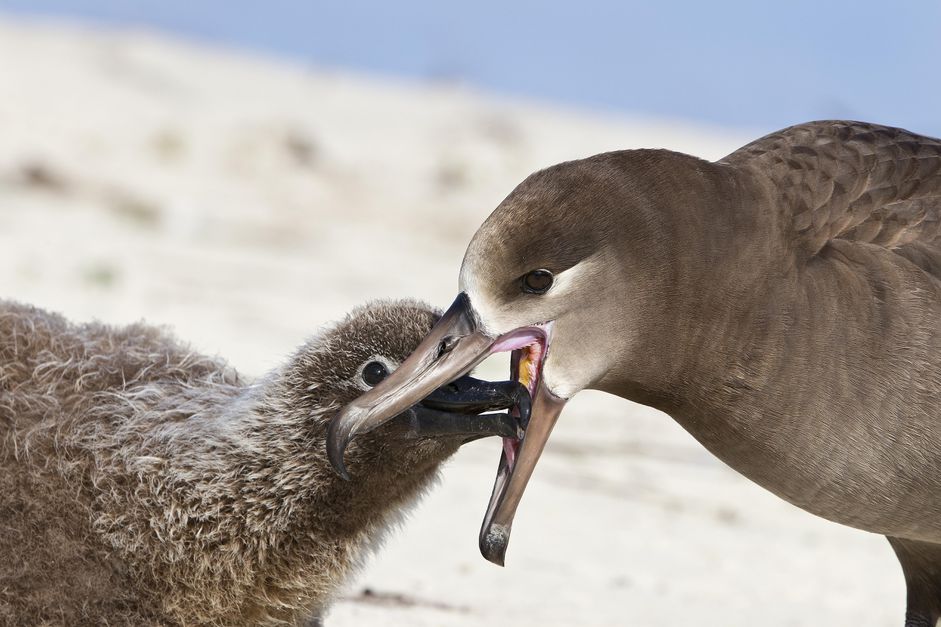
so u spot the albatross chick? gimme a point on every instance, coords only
(144, 483)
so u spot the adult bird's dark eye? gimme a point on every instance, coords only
(537, 281)
(374, 372)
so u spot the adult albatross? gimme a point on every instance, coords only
(783, 304)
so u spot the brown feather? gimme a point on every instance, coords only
(144, 483)
(851, 180)
(782, 304)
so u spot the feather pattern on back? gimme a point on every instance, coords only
(853, 181)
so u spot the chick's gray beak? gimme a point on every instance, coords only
(452, 348)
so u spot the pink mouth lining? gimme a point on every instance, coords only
(536, 340)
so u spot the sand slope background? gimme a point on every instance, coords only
(245, 201)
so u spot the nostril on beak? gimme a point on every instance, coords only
(447, 345)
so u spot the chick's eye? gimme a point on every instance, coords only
(537, 281)
(374, 372)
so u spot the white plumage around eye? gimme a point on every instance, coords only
(390, 365)
(569, 279)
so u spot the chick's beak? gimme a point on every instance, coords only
(458, 410)
(452, 348)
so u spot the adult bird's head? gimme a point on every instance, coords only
(572, 273)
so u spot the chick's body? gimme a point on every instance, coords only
(143, 483)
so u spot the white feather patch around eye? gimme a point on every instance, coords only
(390, 365)
(497, 318)
(568, 279)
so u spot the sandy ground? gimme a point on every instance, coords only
(245, 202)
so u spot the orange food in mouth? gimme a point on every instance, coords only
(525, 367)
(526, 363)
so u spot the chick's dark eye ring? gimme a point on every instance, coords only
(374, 372)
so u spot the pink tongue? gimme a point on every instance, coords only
(516, 339)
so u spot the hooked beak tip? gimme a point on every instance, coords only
(493, 544)
(512, 477)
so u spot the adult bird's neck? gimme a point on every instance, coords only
(703, 292)
(801, 373)
(708, 340)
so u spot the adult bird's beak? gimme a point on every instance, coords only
(516, 467)
(452, 348)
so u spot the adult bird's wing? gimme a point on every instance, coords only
(854, 181)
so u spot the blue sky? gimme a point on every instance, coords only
(755, 65)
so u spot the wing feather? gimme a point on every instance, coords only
(852, 181)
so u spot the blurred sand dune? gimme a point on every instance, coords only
(245, 201)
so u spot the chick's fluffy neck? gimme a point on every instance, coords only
(243, 501)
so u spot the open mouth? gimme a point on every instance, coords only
(526, 368)
(451, 349)
(530, 347)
